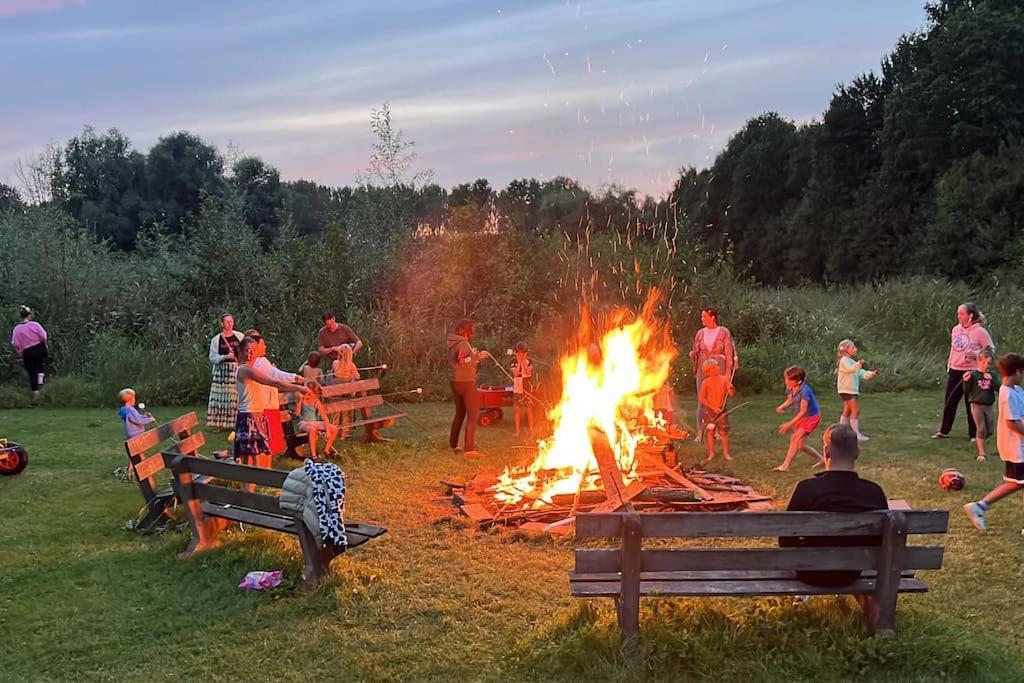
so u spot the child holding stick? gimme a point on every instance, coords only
(313, 420)
(806, 418)
(134, 421)
(714, 392)
(522, 385)
(849, 373)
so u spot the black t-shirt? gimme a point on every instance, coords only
(834, 491)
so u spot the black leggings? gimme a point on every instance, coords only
(467, 407)
(34, 358)
(955, 394)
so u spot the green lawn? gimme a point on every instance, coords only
(80, 597)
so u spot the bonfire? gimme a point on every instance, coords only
(609, 445)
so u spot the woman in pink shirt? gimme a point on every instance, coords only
(29, 342)
(969, 336)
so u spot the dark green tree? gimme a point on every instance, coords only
(181, 169)
(259, 187)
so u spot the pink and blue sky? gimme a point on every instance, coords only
(623, 91)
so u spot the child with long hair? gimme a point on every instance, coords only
(980, 388)
(849, 373)
(313, 420)
(806, 416)
(344, 370)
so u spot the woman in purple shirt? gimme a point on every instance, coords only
(29, 342)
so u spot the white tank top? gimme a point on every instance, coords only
(250, 396)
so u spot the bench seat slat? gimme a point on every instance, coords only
(357, 533)
(222, 495)
(234, 471)
(727, 588)
(723, 574)
(754, 524)
(709, 559)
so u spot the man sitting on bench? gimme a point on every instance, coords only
(838, 489)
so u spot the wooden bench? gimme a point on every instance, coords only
(212, 506)
(632, 571)
(146, 461)
(362, 396)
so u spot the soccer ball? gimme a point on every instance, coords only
(951, 479)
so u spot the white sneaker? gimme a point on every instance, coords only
(976, 515)
(862, 438)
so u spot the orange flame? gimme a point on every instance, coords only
(608, 383)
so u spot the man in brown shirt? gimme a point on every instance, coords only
(333, 336)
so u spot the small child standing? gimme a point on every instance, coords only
(806, 418)
(344, 370)
(980, 388)
(522, 385)
(1009, 439)
(715, 391)
(134, 421)
(849, 374)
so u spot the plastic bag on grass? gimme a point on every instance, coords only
(260, 581)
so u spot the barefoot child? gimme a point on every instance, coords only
(980, 387)
(714, 392)
(522, 385)
(806, 418)
(849, 373)
(134, 421)
(313, 420)
(1009, 439)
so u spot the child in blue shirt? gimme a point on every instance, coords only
(134, 421)
(806, 416)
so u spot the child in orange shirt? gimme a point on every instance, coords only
(714, 392)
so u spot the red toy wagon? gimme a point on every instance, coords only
(492, 400)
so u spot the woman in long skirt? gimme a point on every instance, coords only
(223, 405)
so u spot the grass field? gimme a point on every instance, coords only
(82, 598)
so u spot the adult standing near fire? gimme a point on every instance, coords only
(223, 404)
(332, 336)
(462, 365)
(29, 341)
(712, 342)
(968, 337)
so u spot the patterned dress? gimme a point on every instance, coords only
(223, 404)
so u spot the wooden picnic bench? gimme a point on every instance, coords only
(361, 395)
(632, 571)
(146, 461)
(212, 503)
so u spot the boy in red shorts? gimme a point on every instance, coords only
(806, 418)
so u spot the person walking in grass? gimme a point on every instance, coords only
(980, 387)
(462, 365)
(849, 373)
(806, 417)
(969, 337)
(29, 342)
(1009, 439)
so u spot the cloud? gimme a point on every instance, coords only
(13, 8)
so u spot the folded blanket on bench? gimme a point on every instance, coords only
(316, 492)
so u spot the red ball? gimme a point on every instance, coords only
(951, 479)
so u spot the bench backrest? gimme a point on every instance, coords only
(186, 469)
(144, 451)
(893, 526)
(339, 398)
